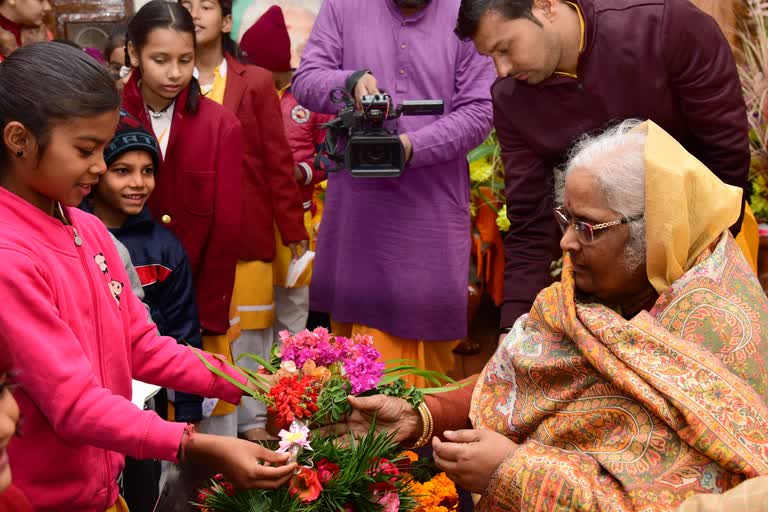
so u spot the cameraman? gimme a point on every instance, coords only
(393, 253)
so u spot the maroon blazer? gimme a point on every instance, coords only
(663, 60)
(271, 194)
(197, 195)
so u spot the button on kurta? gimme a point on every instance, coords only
(166, 219)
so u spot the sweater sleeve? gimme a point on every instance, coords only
(453, 135)
(450, 411)
(530, 240)
(55, 373)
(320, 70)
(312, 173)
(219, 257)
(703, 74)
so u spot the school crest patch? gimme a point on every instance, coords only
(299, 114)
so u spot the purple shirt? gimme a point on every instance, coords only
(393, 253)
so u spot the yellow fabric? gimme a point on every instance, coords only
(252, 308)
(582, 38)
(119, 506)
(219, 86)
(253, 298)
(283, 258)
(686, 207)
(430, 355)
(748, 239)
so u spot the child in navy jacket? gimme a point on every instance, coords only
(119, 201)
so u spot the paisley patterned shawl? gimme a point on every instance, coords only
(615, 414)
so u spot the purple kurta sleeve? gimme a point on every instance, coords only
(455, 134)
(703, 73)
(320, 69)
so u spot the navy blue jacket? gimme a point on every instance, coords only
(165, 275)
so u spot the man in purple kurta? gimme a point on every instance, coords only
(393, 253)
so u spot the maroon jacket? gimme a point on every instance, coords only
(197, 195)
(305, 133)
(269, 189)
(663, 60)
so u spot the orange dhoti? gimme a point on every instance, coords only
(429, 355)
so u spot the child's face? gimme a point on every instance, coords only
(128, 183)
(9, 418)
(31, 12)
(210, 21)
(166, 62)
(70, 165)
(116, 60)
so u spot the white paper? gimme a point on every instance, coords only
(208, 405)
(297, 267)
(141, 392)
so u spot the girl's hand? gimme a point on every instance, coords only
(298, 248)
(247, 465)
(471, 457)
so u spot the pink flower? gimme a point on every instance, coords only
(362, 366)
(326, 469)
(385, 494)
(390, 502)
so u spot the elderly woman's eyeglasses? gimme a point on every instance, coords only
(584, 230)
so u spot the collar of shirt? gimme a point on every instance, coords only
(413, 18)
(582, 38)
(222, 70)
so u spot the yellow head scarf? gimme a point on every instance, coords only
(687, 207)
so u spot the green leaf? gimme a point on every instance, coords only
(263, 362)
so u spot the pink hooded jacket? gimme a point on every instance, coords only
(79, 335)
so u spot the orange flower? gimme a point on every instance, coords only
(318, 373)
(413, 456)
(437, 495)
(306, 484)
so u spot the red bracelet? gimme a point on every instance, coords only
(186, 437)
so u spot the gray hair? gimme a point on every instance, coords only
(615, 158)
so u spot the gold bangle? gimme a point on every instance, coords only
(426, 427)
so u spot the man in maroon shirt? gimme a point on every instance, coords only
(570, 68)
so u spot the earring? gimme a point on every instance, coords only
(19, 153)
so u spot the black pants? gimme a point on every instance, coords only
(141, 478)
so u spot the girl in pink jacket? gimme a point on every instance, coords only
(78, 333)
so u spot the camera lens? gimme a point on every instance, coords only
(375, 153)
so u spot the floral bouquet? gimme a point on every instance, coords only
(305, 384)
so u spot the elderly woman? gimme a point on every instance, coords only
(641, 378)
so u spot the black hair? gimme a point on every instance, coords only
(161, 14)
(471, 11)
(116, 39)
(230, 46)
(68, 43)
(43, 83)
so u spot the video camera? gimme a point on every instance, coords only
(371, 150)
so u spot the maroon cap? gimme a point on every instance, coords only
(267, 43)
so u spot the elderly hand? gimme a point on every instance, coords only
(392, 415)
(365, 86)
(470, 457)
